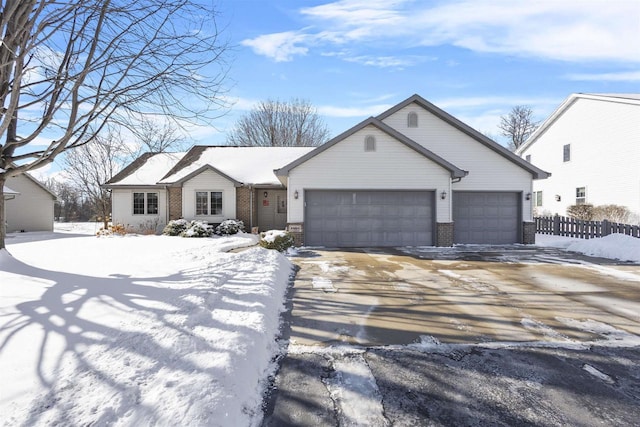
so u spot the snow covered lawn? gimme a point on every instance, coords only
(137, 330)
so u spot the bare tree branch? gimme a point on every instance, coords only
(67, 69)
(280, 124)
(518, 125)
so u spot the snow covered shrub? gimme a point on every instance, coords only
(112, 230)
(175, 227)
(198, 229)
(229, 227)
(279, 240)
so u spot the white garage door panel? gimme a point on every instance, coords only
(486, 218)
(338, 218)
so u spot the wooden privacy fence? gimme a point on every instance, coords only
(571, 227)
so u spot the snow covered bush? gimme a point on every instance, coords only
(279, 240)
(175, 227)
(112, 230)
(229, 227)
(198, 229)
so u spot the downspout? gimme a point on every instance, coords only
(167, 203)
(250, 207)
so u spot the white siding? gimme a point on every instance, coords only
(605, 156)
(488, 170)
(209, 181)
(31, 210)
(392, 166)
(122, 210)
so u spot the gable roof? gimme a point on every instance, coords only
(146, 170)
(241, 165)
(621, 98)
(469, 131)
(372, 121)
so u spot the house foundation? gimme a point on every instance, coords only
(444, 234)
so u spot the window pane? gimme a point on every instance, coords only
(216, 203)
(202, 207)
(581, 195)
(138, 203)
(538, 196)
(152, 203)
(566, 153)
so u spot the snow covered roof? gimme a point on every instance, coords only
(247, 165)
(147, 169)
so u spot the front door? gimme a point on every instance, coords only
(272, 209)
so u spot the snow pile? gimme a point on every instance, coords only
(613, 246)
(138, 330)
(271, 235)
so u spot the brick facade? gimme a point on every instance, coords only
(444, 234)
(529, 233)
(175, 203)
(243, 206)
(297, 230)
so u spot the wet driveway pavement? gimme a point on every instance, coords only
(474, 335)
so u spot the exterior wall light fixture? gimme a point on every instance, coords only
(443, 195)
(295, 194)
(265, 194)
(528, 196)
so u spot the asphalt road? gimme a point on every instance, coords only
(468, 336)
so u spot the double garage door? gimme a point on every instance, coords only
(337, 218)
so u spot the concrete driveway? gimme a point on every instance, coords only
(466, 335)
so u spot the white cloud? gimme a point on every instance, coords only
(280, 47)
(622, 76)
(578, 30)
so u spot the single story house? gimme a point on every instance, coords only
(28, 204)
(209, 183)
(414, 175)
(591, 145)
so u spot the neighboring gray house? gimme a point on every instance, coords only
(412, 176)
(29, 206)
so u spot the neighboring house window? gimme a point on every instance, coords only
(208, 203)
(581, 195)
(370, 143)
(145, 203)
(528, 158)
(537, 198)
(412, 120)
(566, 153)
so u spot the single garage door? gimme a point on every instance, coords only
(488, 218)
(368, 218)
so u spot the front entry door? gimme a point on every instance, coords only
(272, 209)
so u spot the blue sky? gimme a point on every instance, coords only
(475, 59)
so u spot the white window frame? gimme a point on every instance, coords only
(146, 206)
(537, 199)
(208, 200)
(581, 200)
